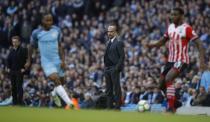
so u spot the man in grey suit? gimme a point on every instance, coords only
(114, 63)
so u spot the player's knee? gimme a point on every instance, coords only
(55, 78)
(57, 82)
(62, 80)
(168, 79)
(162, 85)
(162, 78)
(172, 74)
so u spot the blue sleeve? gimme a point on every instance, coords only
(205, 80)
(34, 39)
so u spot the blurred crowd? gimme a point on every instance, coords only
(83, 24)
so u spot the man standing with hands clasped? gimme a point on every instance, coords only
(114, 63)
(16, 61)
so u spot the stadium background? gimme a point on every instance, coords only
(83, 24)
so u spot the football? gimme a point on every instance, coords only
(143, 106)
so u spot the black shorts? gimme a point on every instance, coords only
(179, 66)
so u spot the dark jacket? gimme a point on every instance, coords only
(115, 55)
(17, 58)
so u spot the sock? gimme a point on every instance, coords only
(53, 92)
(171, 96)
(62, 93)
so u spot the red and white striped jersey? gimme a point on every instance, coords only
(179, 38)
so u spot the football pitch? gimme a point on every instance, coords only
(29, 114)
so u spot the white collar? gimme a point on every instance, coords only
(112, 40)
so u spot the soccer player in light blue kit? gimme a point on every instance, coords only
(47, 38)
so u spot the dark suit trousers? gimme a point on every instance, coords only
(113, 89)
(17, 89)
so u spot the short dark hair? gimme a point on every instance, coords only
(16, 37)
(42, 15)
(45, 14)
(180, 10)
(114, 23)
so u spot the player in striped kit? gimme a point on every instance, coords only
(178, 35)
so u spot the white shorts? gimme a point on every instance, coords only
(50, 68)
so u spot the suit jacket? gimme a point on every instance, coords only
(115, 55)
(17, 58)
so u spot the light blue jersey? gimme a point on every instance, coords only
(47, 42)
(205, 80)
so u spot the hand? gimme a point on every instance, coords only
(63, 65)
(22, 70)
(116, 69)
(7, 70)
(27, 65)
(149, 45)
(145, 44)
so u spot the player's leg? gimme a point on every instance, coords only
(62, 79)
(171, 75)
(169, 79)
(162, 85)
(55, 98)
(74, 100)
(51, 71)
(175, 71)
(170, 93)
(164, 70)
(59, 88)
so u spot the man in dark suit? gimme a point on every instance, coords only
(16, 61)
(114, 63)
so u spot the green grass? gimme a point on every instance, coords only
(27, 114)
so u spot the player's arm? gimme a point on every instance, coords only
(61, 49)
(62, 55)
(191, 35)
(61, 52)
(33, 43)
(29, 57)
(199, 45)
(30, 52)
(159, 43)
